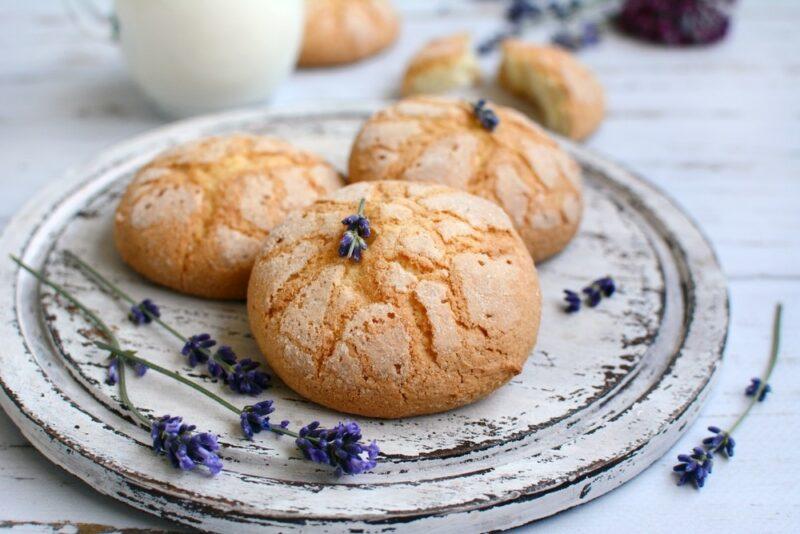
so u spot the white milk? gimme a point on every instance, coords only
(196, 56)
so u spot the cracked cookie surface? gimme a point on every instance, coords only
(194, 218)
(443, 308)
(517, 166)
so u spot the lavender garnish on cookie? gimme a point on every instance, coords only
(358, 230)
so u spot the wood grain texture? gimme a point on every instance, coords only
(717, 128)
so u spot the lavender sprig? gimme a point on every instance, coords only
(353, 241)
(696, 467)
(341, 445)
(245, 379)
(602, 287)
(594, 293)
(171, 437)
(524, 13)
(106, 332)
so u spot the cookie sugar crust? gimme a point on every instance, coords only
(443, 309)
(194, 218)
(518, 165)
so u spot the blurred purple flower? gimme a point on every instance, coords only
(676, 22)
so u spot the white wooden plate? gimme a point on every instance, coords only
(606, 392)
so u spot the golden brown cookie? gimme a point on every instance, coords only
(517, 165)
(344, 31)
(194, 218)
(568, 98)
(420, 325)
(442, 65)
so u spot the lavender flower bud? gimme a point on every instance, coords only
(573, 301)
(753, 388)
(196, 348)
(255, 418)
(184, 449)
(143, 312)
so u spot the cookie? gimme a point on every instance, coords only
(517, 165)
(420, 325)
(567, 97)
(344, 31)
(194, 218)
(442, 65)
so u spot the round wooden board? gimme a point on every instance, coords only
(605, 393)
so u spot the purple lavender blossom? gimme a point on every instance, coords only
(593, 295)
(587, 35)
(340, 447)
(247, 379)
(143, 312)
(353, 243)
(196, 347)
(753, 388)
(676, 22)
(485, 115)
(255, 418)
(185, 449)
(573, 301)
(720, 441)
(522, 10)
(602, 287)
(112, 372)
(226, 355)
(140, 369)
(694, 468)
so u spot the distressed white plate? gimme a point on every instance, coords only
(606, 392)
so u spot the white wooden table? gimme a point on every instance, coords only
(717, 128)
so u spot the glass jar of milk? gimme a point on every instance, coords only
(198, 56)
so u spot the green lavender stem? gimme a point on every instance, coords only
(100, 324)
(132, 357)
(119, 293)
(126, 401)
(773, 358)
(113, 347)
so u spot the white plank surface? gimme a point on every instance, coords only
(717, 128)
